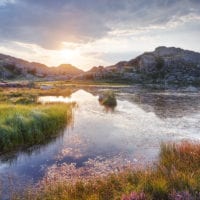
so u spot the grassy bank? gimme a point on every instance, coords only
(24, 125)
(29, 95)
(176, 176)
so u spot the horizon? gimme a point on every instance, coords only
(97, 33)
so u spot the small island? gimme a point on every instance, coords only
(108, 99)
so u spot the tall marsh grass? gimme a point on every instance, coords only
(176, 176)
(24, 125)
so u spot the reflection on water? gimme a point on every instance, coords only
(79, 96)
(167, 105)
(100, 141)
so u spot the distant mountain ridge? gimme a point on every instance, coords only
(166, 65)
(13, 68)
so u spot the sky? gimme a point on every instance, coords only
(88, 33)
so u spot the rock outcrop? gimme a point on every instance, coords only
(167, 65)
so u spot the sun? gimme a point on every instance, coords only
(66, 53)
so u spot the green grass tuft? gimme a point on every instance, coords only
(24, 125)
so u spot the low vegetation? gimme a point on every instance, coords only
(24, 125)
(30, 95)
(175, 177)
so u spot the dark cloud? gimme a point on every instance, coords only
(49, 22)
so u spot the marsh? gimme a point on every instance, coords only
(98, 141)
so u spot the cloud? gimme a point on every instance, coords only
(5, 2)
(49, 23)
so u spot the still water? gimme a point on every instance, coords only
(101, 140)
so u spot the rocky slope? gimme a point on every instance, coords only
(14, 68)
(164, 65)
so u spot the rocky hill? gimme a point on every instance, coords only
(14, 68)
(167, 65)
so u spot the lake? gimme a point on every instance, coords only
(101, 140)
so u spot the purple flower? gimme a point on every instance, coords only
(134, 196)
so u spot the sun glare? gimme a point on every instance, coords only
(67, 54)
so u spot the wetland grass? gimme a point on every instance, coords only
(24, 125)
(176, 176)
(30, 95)
(24, 122)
